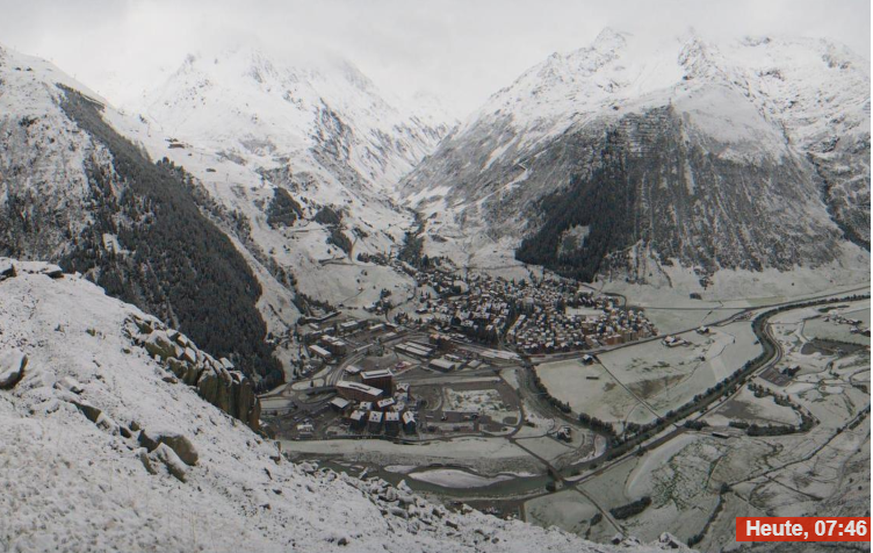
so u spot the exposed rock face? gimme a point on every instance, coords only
(648, 187)
(216, 380)
(181, 446)
(232, 393)
(12, 364)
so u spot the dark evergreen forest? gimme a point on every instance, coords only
(177, 264)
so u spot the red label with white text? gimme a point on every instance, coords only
(803, 528)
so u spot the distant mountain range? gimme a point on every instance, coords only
(620, 159)
(327, 120)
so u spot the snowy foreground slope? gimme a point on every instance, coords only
(159, 469)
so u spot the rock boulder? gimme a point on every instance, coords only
(12, 364)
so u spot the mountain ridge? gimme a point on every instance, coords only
(532, 140)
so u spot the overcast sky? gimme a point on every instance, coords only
(459, 50)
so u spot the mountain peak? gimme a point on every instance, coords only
(698, 58)
(610, 39)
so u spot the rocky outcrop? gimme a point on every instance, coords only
(231, 392)
(12, 364)
(181, 446)
(175, 465)
(215, 380)
(91, 413)
(7, 269)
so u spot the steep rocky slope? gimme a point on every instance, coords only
(623, 159)
(216, 380)
(268, 184)
(103, 448)
(75, 191)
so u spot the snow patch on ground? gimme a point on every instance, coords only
(453, 478)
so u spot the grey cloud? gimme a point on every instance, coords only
(461, 51)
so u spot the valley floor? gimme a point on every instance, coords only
(814, 386)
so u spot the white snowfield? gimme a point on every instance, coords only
(452, 478)
(780, 76)
(70, 484)
(258, 105)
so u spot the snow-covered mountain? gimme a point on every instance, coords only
(76, 191)
(303, 154)
(105, 448)
(629, 159)
(325, 118)
(270, 182)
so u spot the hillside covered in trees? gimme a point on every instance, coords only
(171, 260)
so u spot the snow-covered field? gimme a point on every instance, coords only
(588, 388)
(567, 510)
(545, 447)
(697, 478)
(753, 410)
(830, 330)
(486, 402)
(636, 382)
(453, 478)
(669, 320)
(742, 289)
(665, 377)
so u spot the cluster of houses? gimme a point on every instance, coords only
(328, 340)
(374, 404)
(559, 315)
(549, 316)
(443, 282)
(546, 329)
